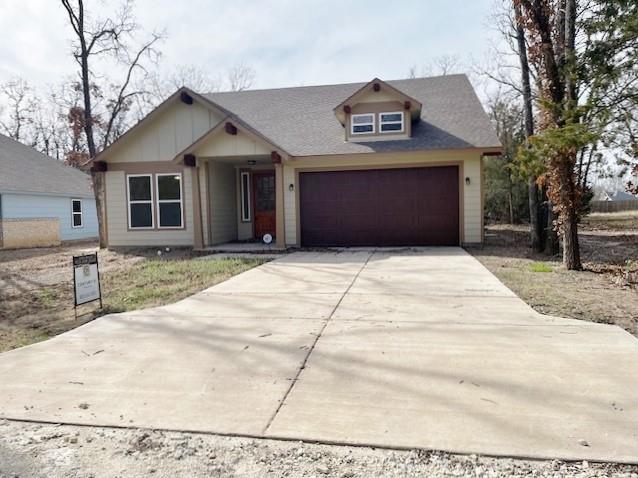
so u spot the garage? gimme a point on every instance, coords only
(380, 207)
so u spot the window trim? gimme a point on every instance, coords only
(73, 214)
(381, 123)
(159, 201)
(245, 200)
(371, 123)
(145, 201)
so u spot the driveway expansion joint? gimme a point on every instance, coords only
(314, 343)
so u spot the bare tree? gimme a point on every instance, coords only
(105, 38)
(21, 105)
(442, 65)
(240, 77)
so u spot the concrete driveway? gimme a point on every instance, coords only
(418, 348)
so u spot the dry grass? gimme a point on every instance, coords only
(36, 295)
(606, 291)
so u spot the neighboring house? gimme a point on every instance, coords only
(617, 196)
(377, 163)
(42, 200)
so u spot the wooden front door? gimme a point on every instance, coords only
(264, 203)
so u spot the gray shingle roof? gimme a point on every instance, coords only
(301, 119)
(23, 169)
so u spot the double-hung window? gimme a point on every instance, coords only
(391, 122)
(140, 201)
(169, 200)
(362, 124)
(76, 213)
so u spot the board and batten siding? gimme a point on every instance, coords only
(222, 178)
(469, 166)
(24, 206)
(167, 135)
(118, 231)
(157, 141)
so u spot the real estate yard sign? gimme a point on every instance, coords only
(86, 279)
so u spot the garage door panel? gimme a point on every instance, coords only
(407, 206)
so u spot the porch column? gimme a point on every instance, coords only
(279, 205)
(198, 238)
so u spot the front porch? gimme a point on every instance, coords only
(237, 202)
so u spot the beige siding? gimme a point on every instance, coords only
(472, 200)
(223, 144)
(290, 206)
(470, 167)
(167, 135)
(223, 203)
(117, 216)
(203, 194)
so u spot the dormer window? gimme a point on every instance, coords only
(391, 122)
(362, 124)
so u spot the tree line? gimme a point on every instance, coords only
(571, 95)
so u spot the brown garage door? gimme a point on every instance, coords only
(380, 207)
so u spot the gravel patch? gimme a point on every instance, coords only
(35, 450)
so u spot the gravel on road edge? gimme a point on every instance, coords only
(41, 450)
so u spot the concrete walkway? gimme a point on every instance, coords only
(417, 348)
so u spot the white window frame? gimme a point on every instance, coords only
(73, 214)
(352, 125)
(167, 201)
(381, 122)
(145, 201)
(246, 197)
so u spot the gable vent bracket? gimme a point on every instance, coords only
(190, 161)
(347, 109)
(376, 87)
(186, 98)
(230, 128)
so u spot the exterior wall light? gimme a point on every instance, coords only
(467, 180)
(291, 187)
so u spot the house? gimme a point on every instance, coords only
(617, 195)
(42, 200)
(376, 163)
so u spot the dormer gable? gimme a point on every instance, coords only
(377, 112)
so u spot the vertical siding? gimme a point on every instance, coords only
(472, 194)
(15, 206)
(168, 134)
(223, 202)
(472, 200)
(117, 221)
(290, 207)
(203, 200)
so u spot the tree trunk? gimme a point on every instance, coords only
(571, 249)
(96, 178)
(534, 216)
(535, 226)
(552, 246)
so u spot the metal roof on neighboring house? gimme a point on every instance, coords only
(301, 119)
(25, 170)
(622, 196)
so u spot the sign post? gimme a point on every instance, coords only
(86, 280)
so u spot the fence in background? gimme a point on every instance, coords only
(613, 206)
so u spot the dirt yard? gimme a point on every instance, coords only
(606, 291)
(44, 451)
(36, 285)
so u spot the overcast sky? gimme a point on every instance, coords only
(286, 42)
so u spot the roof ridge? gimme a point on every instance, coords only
(331, 84)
